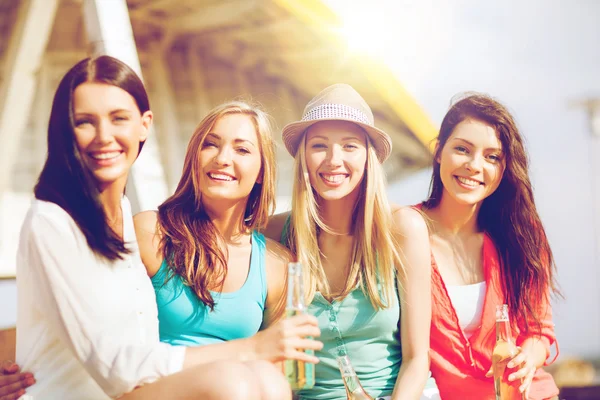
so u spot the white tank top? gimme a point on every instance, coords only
(468, 304)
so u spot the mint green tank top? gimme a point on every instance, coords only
(370, 338)
(185, 321)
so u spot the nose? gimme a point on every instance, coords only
(223, 157)
(104, 132)
(334, 155)
(474, 163)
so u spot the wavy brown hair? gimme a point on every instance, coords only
(508, 215)
(191, 245)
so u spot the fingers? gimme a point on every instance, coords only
(303, 319)
(302, 356)
(12, 385)
(518, 359)
(305, 344)
(526, 383)
(8, 367)
(14, 396)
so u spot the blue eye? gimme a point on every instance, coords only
(494, 157)
(351, 146)
(461, 149)
(243, 150)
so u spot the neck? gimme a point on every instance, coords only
(455, 218)
(337, 215)
(228, 218)
(110, 197)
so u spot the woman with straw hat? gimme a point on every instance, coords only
(363, 259)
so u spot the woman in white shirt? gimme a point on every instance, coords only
(87, 320)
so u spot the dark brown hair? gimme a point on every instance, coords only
(64, 179)
(191, 245)
(509, 214)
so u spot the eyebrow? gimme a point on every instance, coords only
(82, 113)
(472, 145)
(238, 140)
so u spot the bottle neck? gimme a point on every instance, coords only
(503, 331)
(295, 300)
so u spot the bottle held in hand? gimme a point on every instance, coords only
(354, 389)
(504, 350)
(300, 375)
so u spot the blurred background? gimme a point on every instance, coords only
(407, 58)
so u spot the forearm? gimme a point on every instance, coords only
(233, 350)
(412, 378)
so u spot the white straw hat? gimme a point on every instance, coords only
(339, 102)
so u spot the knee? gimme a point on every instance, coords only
(238, 382)
(273, 385)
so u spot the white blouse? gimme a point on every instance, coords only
(86, 327)
(467, 301)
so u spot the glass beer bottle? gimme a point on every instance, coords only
(504, 350)
(354, 389)
(299, 374)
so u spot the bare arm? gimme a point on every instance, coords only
(275, 226)
(277, 259)
(415, 300)
(148, 237)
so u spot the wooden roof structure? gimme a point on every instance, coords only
(198, 53)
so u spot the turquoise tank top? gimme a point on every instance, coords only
(185, 321)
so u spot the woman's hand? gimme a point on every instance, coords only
(12, 381)
(287, 340)
(525, 361)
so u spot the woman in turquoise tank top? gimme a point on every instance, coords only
(217, 280)
(362, 258)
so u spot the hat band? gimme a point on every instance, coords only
(336, 111)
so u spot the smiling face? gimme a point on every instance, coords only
(230, 159)
(471, 162)
(108, 128)
(336, 157)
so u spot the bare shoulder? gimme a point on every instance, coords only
(148, 238)
(277, 254)
(275, 226)
(146, 221)
(409, 221)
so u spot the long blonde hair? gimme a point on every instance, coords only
(190, 243)
(374, 255)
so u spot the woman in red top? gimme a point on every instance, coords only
(488, 248)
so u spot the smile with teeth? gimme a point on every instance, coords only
(468, 182)
(333, 178)
(105, 156)
(220, 177)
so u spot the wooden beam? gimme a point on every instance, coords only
(218, 15)
(24, 56)
(109, 32)
(316, 14)
(166, 116)
(198, 75)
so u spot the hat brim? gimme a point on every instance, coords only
(292, 135)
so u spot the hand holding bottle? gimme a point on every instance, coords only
(524, 361)
(287, 340)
